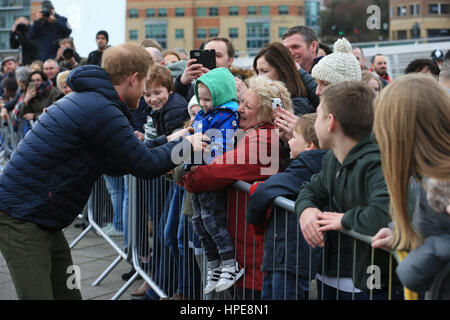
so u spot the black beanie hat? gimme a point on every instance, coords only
(47, 5)
(103, 32)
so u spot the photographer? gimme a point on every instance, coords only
(19, 38)
(48, 28)
(66, 56)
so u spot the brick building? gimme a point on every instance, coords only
(419, 19)
(249, 24)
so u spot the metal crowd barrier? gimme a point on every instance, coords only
(150, 248)
(108, 224)
(156, 204)
(9, 139)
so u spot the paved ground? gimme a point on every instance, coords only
(93, 255)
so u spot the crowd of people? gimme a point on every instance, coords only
(354, 148)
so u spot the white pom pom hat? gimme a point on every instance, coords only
(339, 66)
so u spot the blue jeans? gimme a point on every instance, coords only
(173, 222)
(280, 285)
(164, 273)
(190, 277)
(125, 211)
(118, 191)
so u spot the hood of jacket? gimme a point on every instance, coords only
(365, 146)
(221, 84)
(95, 78)
(312, 159)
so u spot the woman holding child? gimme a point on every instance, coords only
(255, 157)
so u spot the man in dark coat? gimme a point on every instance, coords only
(102, 39)
(19, 38)
(48, 180)
(48, 28)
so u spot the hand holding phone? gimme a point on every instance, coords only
(207, 58)
(276, 103)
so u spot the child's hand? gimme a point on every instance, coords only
(310, 227)
(139, 135)
(330, 221)
(180, 133)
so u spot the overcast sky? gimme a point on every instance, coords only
(86, 17)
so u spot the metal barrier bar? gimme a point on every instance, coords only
(100, 211)
(288, 206)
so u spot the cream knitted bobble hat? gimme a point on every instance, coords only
(339, 66)
(192, 102)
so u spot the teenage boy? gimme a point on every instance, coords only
(351, 182)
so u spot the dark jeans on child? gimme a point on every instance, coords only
(210, 224)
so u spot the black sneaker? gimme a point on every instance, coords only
(127, 276)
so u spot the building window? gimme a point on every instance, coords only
(179, 33)
(401, 11)
(179, 12)
(445, 8)
(201, 33)
(264, 10)
(434, 8)
(150, 13)
(300, 10)
(157, 32)
(201, 12)
(213, 32)
(402, 35)
(233, 11)
(283, 10)
(133, 34)
(214, 11)
(258, 34)
(162, 12)
(281, 31)
(133, 13)
(233, 33)
(414, 10)
(252, 10)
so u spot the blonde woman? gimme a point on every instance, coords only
(412, 117)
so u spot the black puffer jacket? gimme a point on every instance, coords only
(302, 106)
(171, 116)
(79, 138)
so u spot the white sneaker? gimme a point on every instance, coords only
(212, 279)
(229, 276)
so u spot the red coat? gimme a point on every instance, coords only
(249, 163)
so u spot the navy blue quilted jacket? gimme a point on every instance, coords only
(81, 137)
(284, 245)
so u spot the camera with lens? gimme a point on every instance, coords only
(46, 13)
(22, 28)
(68, 53)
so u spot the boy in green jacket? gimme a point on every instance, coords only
(351, 182)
